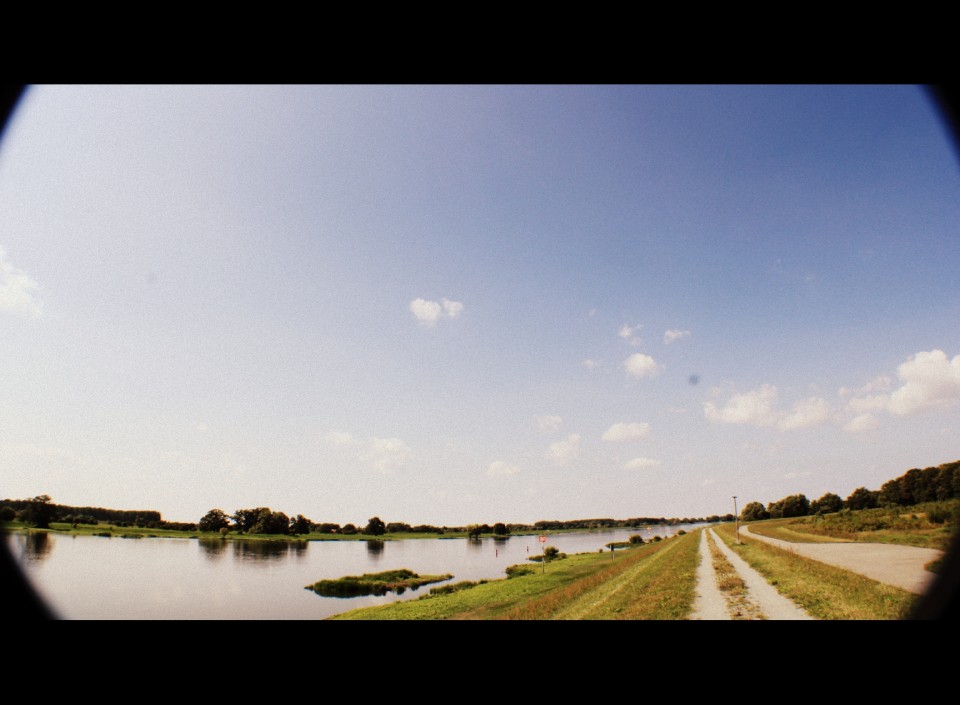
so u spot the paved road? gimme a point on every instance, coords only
(900, 566)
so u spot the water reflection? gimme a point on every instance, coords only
(475, 543)
(212, 548)
(375, 549)
(267, 551)
(36, 546)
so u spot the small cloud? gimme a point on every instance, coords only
(17, 290)
(565, 450)
(386, 454)
(754, 408)
(641, 464)
(627, 333)
(809, 412)
(453, 308)
(592, 312)
(498, 467)
(339, 438)
(626, 432)
(673, 335)
(862, 423)
(591, 364)
(639, 365)
(429, 312)
(202, 427)
(549, 424)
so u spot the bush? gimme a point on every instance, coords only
(515, 571)
(636, 538)
(940, 514)
(7, 513)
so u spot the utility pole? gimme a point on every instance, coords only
(736, 518)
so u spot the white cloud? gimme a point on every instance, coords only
(565, 450)
(639, 365)
(627, 333)
(674, 335)
(429, 312)
(386, 454)
(880, 384)
(863, 422)
(381, 454)
(339, 438)
(877, 402)
(549, 424)
(809, 412)
(591, 364)
(931, 381)
(626, 432)
(756, 408)
(641, 463)
(498, 467)
(453, 308)
(17, 290)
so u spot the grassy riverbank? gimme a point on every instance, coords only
(653, 581)
(824, 591)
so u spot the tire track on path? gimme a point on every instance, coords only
(771, 603)
(710, 602)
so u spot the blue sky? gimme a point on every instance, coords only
(450, 304)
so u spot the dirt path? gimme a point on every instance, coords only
(711, 603)
(900, 566)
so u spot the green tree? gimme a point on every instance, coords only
(796, 505)
(474, 531)
(245, 519)
(754, 511)
(214, 520)
(375, 527)
(862, 498)
(7, 513)
(827, 504)
(300, 525)
(39, 512)
(348, 529)
(500, 529)
(271, 523)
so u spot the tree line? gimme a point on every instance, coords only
(915, 486)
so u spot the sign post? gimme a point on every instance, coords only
(543, 553)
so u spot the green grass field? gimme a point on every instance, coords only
(653, 581)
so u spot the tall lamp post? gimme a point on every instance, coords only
(736, 518)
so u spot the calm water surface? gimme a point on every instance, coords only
(92, 577)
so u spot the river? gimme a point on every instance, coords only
(92, 577)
